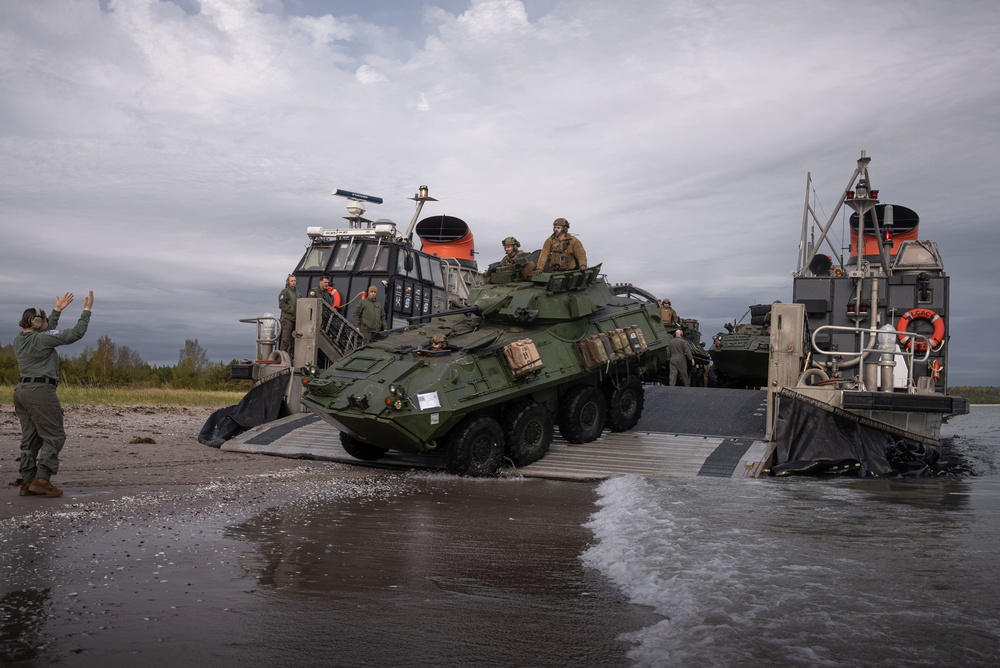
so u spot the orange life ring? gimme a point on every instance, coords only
(334, 295)
(920, 314)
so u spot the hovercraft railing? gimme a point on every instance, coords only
(338, 332)
(886, 349)
(268, 335)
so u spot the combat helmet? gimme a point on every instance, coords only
(511, 241)
(561, 221)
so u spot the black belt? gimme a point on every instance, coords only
(43, 379)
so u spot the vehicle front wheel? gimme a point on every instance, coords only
(359, 449)
(527, 430)
(625, 404)
(475, 448)
(582, 414)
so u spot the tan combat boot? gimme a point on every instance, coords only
(25, 491)
(44, 488)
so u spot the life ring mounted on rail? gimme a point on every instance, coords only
(936, 339)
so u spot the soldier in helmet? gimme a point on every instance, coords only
(514, 256)
(439, 342)
(668, 316)
(561, 251)
(512, 252)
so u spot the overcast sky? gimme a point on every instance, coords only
(169, 155)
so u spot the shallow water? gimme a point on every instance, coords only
(807, 571)
(428, 569)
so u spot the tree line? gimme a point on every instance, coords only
(108, 364)
(978, 395)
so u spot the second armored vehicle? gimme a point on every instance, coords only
(741, 353)
(494, 379)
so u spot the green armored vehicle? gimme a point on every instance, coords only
(493, 379)
(741, 353)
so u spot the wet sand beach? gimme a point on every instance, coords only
(163, 550)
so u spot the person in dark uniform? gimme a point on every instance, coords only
(287, 299)
(561, 251)
(369, 316)
(326, 292)
(35, 400)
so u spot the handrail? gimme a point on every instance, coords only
(339, 331)
(877, 332)
(910, 355)
(262, 339)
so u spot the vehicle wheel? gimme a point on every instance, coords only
(475, 448)
(625, 404)
(360, 449)
(527, 431)
(582, 414)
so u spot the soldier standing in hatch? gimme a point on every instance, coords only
(668, 316)
(561, 251)
(513, 255)
(369, 316)
(680, 359)
(512, 252)
(287, 299)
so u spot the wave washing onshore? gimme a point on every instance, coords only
(804, 571)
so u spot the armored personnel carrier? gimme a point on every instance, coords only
(495, 378)
(741, 353)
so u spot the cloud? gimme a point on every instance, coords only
(171, 155)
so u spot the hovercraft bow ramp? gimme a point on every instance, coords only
(684, 431)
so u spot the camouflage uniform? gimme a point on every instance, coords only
(562, 254)
(668, 316)
(520, 257)
(35, 400)
(516, 258)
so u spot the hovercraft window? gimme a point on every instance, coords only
(401, 262)
(375, 257)
(315, 259)
(345, 256)
(430, 270)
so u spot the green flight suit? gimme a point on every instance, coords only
(680, 359)
(369, 317)
(35, 400)
(287, 300)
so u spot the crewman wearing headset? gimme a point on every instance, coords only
(35, 400)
